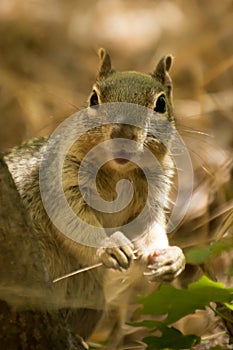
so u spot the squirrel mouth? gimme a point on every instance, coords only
(121, 161)
(122, 157)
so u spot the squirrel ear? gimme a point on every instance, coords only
(162, 69)
(105, 63)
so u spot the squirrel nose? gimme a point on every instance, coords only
(123, 131)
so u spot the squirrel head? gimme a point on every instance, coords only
(153, 91)
(150, 90)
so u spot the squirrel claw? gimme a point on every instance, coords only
(117, 252)
(166, 264)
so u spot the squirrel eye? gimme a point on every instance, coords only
(160, 105)
(94, 100)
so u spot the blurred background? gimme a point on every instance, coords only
(48, 63)
(48, 59)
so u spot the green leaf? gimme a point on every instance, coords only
(177, 303)
(197, 256)
(202, 255)
(229, 306)
(171, 338)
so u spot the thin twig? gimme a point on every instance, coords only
(220, 314)
(77, 272)
(83, 270)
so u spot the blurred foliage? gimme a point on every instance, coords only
(175, 304)
(202, 255)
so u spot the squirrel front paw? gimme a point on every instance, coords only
(165, 264)
(117, 251)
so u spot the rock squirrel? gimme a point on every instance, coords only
(82, 296)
